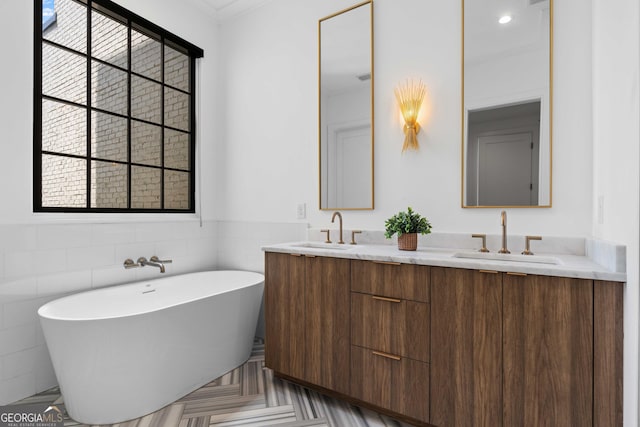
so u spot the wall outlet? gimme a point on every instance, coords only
(301, 211)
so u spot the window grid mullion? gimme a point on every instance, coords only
(192, 133)
(117, 162)
(162, 201)
(129, 112)
(89, 101)
(37, 107)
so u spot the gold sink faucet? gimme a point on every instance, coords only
(339, 215)
(503, 223)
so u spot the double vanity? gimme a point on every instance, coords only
(449, 337)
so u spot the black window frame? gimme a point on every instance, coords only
(133, 22)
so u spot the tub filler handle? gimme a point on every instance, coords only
(129, 263)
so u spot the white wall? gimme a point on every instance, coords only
(44, 256)
(616, 113)
(269, 71)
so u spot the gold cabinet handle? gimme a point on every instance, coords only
(387, 263)
(386, 355)
(488, 271)
(513, 273)
(385, 299)
(295, 254)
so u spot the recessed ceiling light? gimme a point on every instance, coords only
(505, 19)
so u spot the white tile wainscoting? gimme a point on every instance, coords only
(39, 263)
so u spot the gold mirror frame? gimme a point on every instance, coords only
(464, 130)
(320, 106)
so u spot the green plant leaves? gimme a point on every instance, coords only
(406, 222)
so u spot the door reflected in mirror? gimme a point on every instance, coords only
(506, 111)
(345, 110)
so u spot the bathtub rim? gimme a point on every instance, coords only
(65, 298)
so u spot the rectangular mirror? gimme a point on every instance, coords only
(506, 103)
(346, 108)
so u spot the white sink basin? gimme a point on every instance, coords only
(325, 246)
(535, 259)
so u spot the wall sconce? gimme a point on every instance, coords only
(410, 97)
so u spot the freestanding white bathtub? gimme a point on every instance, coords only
(123, 352)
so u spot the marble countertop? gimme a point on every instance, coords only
(567, 265)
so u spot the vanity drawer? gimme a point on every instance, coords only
(391, 382)
(390, 325)
(394, 280)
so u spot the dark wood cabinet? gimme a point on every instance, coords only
(391, 382)
(390, 325)
(448, 347)
(466, 348)
(395, 280)
(327, 343)
(390, 317)
(307, 319)
(284, 312)
(608, 348)
(517, 350)
(548, 351)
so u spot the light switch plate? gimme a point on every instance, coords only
(301, 211)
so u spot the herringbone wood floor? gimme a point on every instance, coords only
(248, 396)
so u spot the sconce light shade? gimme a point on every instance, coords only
(410, 97)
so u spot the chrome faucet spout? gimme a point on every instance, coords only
(503, 223)
(143, 261)
(339, 215)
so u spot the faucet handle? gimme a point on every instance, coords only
(484, 241)
(353, 236)
(128, 263)
(163, 261)
(527, 240)
(328, 235)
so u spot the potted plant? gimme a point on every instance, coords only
(407, 225)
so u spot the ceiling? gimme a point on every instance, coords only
(227, 9)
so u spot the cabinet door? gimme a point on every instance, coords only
(466, 348)
(608, 337)
(284, 313)
(327, 304)
(548, 351)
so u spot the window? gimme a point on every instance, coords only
(114, 129)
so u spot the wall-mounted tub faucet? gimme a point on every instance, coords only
(161, 261)
(154, 262)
